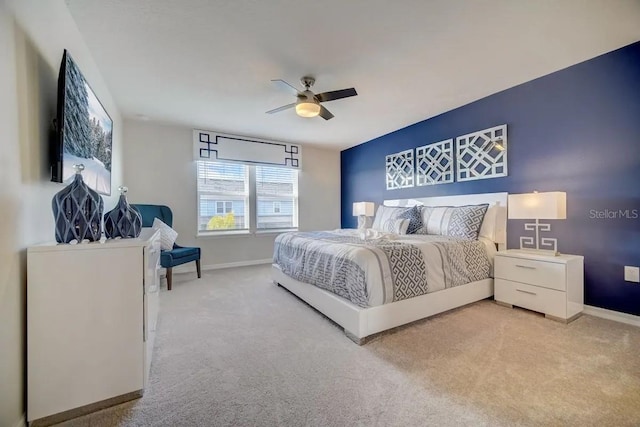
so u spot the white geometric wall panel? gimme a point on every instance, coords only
(478, 154)
(400, 170)
(434, 163)
(212, 146)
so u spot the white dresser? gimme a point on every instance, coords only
(91, 319)
(553, 285)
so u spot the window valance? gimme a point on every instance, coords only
(214, 146)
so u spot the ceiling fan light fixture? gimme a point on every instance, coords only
(308, 103)
(307, 109)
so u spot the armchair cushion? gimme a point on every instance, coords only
(179, 255)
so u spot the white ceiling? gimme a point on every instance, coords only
(208, 64)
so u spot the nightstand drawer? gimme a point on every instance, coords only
(544, 300)
(533, 272)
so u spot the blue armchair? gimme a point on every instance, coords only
(178, 255)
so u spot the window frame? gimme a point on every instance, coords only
(251, 204)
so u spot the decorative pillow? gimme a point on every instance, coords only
(453, 221)
(168, 235)
(396, 226)
(488, 228)
(385, 213)
(415, 219)
(425, 216)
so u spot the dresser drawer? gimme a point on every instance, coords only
(543, 300)
(539, 273)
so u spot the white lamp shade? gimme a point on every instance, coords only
(307, 109)
(549, 205)
(363, 208)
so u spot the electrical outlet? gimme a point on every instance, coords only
(632, 274)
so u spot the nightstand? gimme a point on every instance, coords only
(553, 285)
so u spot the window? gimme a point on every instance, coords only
(234, 196)
(223, 196)
(277, 197)
(224, 208)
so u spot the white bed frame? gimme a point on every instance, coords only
(359, 323)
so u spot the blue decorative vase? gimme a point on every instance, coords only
(77, 211)
(124, 220)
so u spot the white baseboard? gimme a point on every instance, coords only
(617, 316)
(21, 422)
(238, 264)
(191, 267)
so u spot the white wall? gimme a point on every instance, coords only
(159, 169)
(33, 35)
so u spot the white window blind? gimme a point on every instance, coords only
(235, 196)
(223, 196)
(276, 197)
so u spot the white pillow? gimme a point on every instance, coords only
(394, 225)
(488, 228)
(168, 235)
(400, 226)
(385, 213)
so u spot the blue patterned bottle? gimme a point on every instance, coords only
(77, 211)
(124, 220)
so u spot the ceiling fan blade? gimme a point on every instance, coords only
(285, 85)
(325, 114)
(284, 107)
(336, 94)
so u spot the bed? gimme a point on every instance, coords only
(375, 306)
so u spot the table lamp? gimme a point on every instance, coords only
(363, 210)
(548, 205)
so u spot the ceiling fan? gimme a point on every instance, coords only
(308, 103)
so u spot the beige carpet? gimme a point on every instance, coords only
(235, 350)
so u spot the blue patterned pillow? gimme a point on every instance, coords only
(454, 221)
(415, 219)
(466, 221)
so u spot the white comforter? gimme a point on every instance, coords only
(376, 268)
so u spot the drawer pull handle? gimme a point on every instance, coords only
(525, 266)
(526, 292)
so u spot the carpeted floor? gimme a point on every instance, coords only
(233, 349)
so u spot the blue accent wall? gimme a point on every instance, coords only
(576, 130)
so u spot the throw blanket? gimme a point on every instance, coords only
(379, 268)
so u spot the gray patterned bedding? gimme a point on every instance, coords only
(380, 268)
